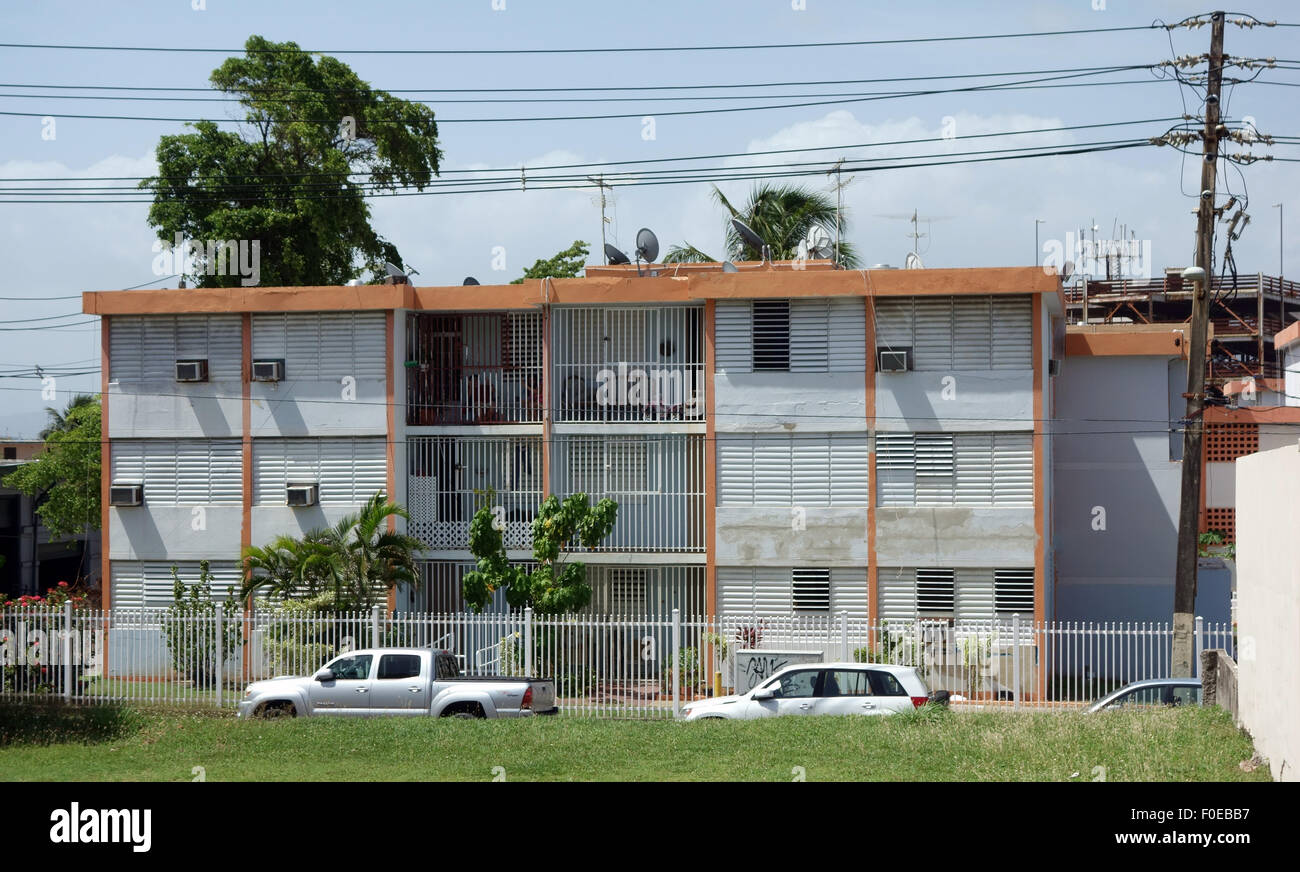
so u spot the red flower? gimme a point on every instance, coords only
(63, 584)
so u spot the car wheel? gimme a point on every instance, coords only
(275, 711)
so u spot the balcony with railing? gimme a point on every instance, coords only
(450, 478)
(657, 481)
(473, 368)
(628, 363)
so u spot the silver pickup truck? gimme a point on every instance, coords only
(399, 681)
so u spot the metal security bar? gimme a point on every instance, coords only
(622, 363)
(474, 368)
(656, 479)
(613, 664)
(450, 478)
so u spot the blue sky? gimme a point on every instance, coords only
(983, 213)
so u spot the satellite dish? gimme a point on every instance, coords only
(751, 238)
(394, 272)
(913, 261)
(614, 256)
(729, 267)
(1067, 270)
(470, 280)
(647, 245)
(818, 243)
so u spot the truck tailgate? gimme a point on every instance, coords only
(543, 695)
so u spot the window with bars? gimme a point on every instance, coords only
(958, 333)
(767, 469)
(1013, 591)
(955, 469)
(936, 592)
(810, 589)
(771, 333)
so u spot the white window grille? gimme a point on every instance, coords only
(474, 368)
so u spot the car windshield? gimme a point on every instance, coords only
(355, 667)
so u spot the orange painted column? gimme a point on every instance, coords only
(1039, 423)
(390, 411)
(710, 465)
(873, 574)
(246, 470)
(105, 472)
(546, 401)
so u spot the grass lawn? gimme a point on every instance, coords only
(1187, 744)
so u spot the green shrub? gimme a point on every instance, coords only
(190, 628)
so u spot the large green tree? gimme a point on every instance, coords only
(317, 138)
(555, 586)
(352, 561)
(782, 215)
(64, 478)
(564, 265)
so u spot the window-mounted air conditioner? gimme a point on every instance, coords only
(126, 495)
(191, 370)
(894, 359)
(268, 370)
(302, 494)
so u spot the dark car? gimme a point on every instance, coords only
(1151, 693)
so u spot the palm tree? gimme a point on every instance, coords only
(782, 215)
(61, 422)
(354, 560)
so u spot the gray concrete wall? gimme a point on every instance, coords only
(1115, 494)
(955, 537)
(306, 407)
(171, 409)
(151, 532)
(1268, 606)
(272, 521)
(790, 402)
(764, 535)
(955, 401)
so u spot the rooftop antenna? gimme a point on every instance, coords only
(752, 239)
(916, 235)
(838, 185)
(601, 185)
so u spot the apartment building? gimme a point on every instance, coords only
(782, 439)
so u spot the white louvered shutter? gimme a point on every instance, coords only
(810, 467)
(125, 348)
(735, 590)
(735, 470)
(974, 594)
(732, 335)
(850, 464)
(809, 335)
(932, 350)
(974, 469)
(128, 584)
(1013, 469)
(896, 469)
(849, 591)
(772, 592)
(270, 337)
(771, 471)
(159, 348)
(896, 591)
(894, 322)
(973, 332)
(1013, 339)
(846, 335)
(225, 342)
(934, 469)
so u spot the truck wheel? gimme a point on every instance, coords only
(276, 710)
(469, 713)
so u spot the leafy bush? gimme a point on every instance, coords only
(48, 722)
(689, 675)
(190, 628)
(299, 636)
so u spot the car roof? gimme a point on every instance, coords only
(844, 664)
(1163, 682)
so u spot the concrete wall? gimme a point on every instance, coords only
(1115, 493)
(790, 402)
(307, 407)
(955, 537)
(975, 400)
(272, 521)
(1291, 375)
(174, 532)
(171, 409)
(763, 535)
(1268, 605)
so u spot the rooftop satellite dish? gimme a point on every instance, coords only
(470, 280)
(913, 261)
(1067, 270)
(394, 272)
(819, 244)
(729, 267)
(647, 245)
(752, 239)
(614, 256)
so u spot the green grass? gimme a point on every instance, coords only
(1189, 744)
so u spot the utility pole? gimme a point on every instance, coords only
(1184, 650)
(601, 185)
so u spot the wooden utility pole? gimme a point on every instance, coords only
(1184, 651)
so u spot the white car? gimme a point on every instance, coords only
(821, 689)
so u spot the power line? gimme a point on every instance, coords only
(582, 50)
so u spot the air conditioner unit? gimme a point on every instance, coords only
(268, 370)
(303, 494)
(895, 359)
(126, 495)
(191, 370)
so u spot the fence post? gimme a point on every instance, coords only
(374, 626)
(528, 642)
(67, 652)
(844, 636)
(677, 645)
(1015, 658)
(1200, 646)
(221, 655)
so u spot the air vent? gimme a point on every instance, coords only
(811, 589)
(191, 370)
(302, 494)
(268, 370)
(126, 495)
(894, 359)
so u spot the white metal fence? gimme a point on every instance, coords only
(631, 666)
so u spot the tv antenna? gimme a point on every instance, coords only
(838, 186)
(601, 185)
(916, 235)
